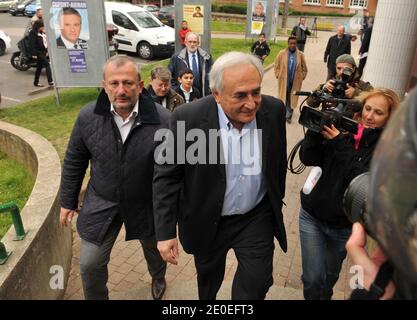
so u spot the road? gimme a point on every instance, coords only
(17, 86)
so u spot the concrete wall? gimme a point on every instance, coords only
(26, 274)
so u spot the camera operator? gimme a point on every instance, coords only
(324, 228)
(390, 215)
(346, 73)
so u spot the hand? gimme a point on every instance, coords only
(169, 250)
(350, 91)
(329, 86)
(330, 133)
(355, 247)
(65, 216)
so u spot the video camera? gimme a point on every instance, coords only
(336, 111)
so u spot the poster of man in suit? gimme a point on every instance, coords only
(70, 20)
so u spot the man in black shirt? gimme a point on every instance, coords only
(301, 32)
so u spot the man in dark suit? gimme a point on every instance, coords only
(195, 58)
(70, 26)
(225, 200)
(336, 46)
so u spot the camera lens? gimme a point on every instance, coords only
(355, 197)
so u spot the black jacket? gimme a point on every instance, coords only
(336, 47)
(260, 49)
(367, 34)
(194, 95)
(193, 195)
(180, 62)
(300, 34)
(37, 48)
(340, 164)
(121, 173)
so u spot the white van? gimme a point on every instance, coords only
(140, 31)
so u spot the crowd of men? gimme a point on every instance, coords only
(219, 202)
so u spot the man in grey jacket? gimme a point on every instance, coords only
(115, 136)
(194, 58)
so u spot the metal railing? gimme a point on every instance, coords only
(18, 227)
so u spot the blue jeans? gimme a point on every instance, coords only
(322, 253)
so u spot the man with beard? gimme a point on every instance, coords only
(114, 135)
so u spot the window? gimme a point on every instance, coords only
(360, 4)
(314, 2)
(122, 21)
(338, 3)
(144, 19)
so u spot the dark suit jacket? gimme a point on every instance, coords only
(336, 47)
(193, 195)
(60, 43)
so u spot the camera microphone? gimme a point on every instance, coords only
(303, 93)
(312, 179)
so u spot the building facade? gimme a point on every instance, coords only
(321, 7)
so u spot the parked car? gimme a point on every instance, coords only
(167, 15)
(19, 7)
(5, 42)
(150, 8)
(112, 30)
(30, 9)
(5, 5)
(140, 31)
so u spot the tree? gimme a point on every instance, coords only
(285, 15)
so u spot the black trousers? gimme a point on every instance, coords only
(251, 237)
(42, 62)
(362, 63)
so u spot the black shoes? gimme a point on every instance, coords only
(158, 288)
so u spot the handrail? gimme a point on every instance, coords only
(18, 227)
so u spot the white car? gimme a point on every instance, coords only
(140, 31)
(5, 42)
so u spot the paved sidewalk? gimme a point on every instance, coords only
(128, 276)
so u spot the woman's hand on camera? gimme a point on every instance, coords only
(330, 132)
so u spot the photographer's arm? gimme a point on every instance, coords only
(370, 265)
(362, 86)
(312, 149)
